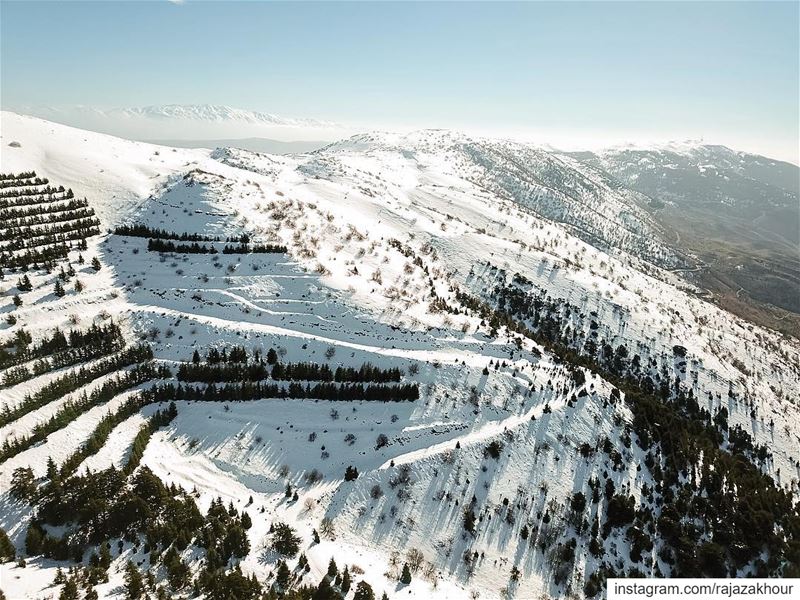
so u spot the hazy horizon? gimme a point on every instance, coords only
(570, 75)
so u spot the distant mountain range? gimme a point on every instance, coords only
(190, 122)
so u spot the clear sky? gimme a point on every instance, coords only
(595, 72)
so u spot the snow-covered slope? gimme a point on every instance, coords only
(553, 186)
(115, 175)
(189, 122)
(398, 250)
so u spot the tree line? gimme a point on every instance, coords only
(100, 434)
(157, 245)
(29, 237)
(56, 205)
(47, 218)
(20, 175)
(74, 408)
(245, 390)
(730, 501)
(77, 342)
(73, 380)
(16, 181)
(44, 196)
(69, 358)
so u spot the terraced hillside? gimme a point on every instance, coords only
(40, 223)
(281, 375)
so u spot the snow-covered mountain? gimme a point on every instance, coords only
(189, 122)
(743, 212)
(547, 403)
(215, 113)
(592, 206)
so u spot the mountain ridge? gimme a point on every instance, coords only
(388, 352)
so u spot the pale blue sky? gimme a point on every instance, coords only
(596, 71)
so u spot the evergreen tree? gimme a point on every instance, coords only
(333, 570)
(23, 486)
(69, 591)
(247, 522)
(105, 555)
(134, 584)
(285, 540)
(364, 592)
(282, 576)
(469, 520)
(405, 577)
(33, 540)
(59, 289)
(24, 284)
(272, 356)
(324, 591)
(345, 585)
(17, 300)
(7, 550)
(52, 469)
(96, 264)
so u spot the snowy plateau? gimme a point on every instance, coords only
(460, 367)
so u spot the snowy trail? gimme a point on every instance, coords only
(485, 432)
(117, 447)
(453, 355)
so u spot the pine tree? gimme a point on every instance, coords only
(324, 591)
(17, 300)
(23, 485)
(7, 550)
(96, 264)
(105, 555)
(52, 469)
(78, 286)
(364, 592)
(33, 540)
(282, 576)
(285, 540)
(333, 570)
(69, 591)
(59, 289)
(345, 586)
(134, 584)
(272, 356)
(405, 577)
(350, 473)
(469, 520)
